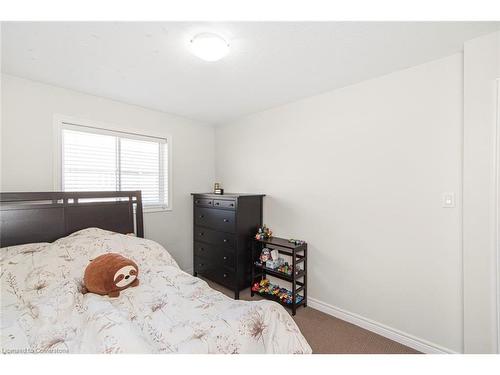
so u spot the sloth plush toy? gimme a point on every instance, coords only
(110, 273)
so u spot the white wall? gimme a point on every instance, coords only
(359, 173)
(481, 71)
(28, 150)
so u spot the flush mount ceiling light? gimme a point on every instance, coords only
(209, 46)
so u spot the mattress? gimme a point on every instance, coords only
(44, 311)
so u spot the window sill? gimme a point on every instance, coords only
(152, 209)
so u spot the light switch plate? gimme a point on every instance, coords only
(448, 200)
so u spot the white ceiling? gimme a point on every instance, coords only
(148, 63)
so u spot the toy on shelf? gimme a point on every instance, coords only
(265, 255)
(275, 260)
(285, 268)
(270, 258)
(264, 233)
(283, 294)
(288, 269)
(278, 264)
(275, 263)
(296, 242)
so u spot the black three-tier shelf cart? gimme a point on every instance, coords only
(298, 279)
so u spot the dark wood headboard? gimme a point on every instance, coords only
(45, 217)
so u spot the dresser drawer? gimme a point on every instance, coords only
(203, 202)
(224, 203)
(202, 265)
(217, 255)
(220, 239)
(224, 276)
(214, 271)
(226, 257)
(222, 220)
(212, 254)
(204, 250)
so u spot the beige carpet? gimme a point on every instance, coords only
(329, 335)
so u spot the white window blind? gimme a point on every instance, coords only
(96, 160)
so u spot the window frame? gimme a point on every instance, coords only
(67, 122)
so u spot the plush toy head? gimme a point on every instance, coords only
(109, 273)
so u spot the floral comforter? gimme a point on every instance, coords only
(43, 309)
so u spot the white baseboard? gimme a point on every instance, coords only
(380, 329)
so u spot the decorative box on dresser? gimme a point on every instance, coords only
(223, 228)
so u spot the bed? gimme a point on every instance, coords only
(44, 311)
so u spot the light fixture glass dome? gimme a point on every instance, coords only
(209, 46)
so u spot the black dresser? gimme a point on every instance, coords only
(223, 226)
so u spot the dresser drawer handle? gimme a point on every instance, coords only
(201, 233)
(224, 240)
(209, 202)
(226, 220)
(201, 264)
(225, 257)
(225, 275)
(202, 216)
(216, 203)
(232, 205)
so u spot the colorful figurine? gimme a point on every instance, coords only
(265, 255)
(286, 268)
(255, 287)
(283, 294)
(263, 233)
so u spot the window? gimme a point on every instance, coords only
(94, 159)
